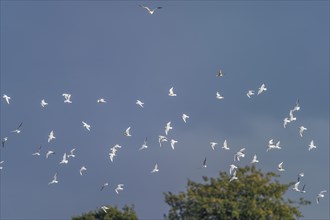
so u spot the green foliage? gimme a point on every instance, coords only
(113, 213)
(254, 195)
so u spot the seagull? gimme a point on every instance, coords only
(87, 126)
(7, 98)
(271, 145)
(303, 189)
(49, 153)
(51, 136)
(297, 106)
(311, 145)
(148, 9)
(220, 73)
(261, 89)
(161, 139)
(104, 208)
(64, 159)
(320, 195)
(295, 187)
(67, 98)
(280, 167)
(239, 154)
(255, 160)
(225, 145)
(127, 132)
(286, 121)
(101, 101)
(213, 144)
(17, 130)
(250, 93)
(82, 169)
(173, 142)
(104, 185)
(204, 163)
(119, 187)
(155, 169)
(43, 103)
(38, 152)
(234, 177)
(219, 96)
(144, 145)
(111, 156)
(4, 140)
(168, 127)
(185, 117)
(232, 167)
(301, 130)
(171, 92)
(291, 117)
(71, 153)
(138, 102)
(1, 162)
(54, 179)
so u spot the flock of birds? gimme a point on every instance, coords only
(272, 144)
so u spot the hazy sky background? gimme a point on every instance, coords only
(117, 51)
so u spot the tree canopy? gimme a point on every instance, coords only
(254, 195)
(112, 213)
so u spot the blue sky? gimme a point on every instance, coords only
(117, 51)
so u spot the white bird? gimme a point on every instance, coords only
(155, 169)
(173, 142)
(255, 160)
(286, 121)
(219, 96)
(87, 126)
(301, 130)
(291, 117)
(297, 106)
(233, 177)
(185, 117)
(82, 169)
(213, 144)
(104, 208)
(72, 153)
(17, 130)
(38, 152)
(67, 98)
(320, 195)
(225, 145)
(111, 156)
(239, 154)
(171, 92)
(138, 102)
(296, 187)
(101, 101)
(119, 187)
(250, 93)
(162, 139)
(144, 145)
(51, 136)
(262, 89)
(232, 167)
(168, 127)
(220, 73)
(43, 103)
(280, 167)
(204, 163)
(1, 162)
(127, 132)
(64, 159)
(311, 145)
(149, 10)
(271, 145)
(7, 98)
(104, 185)
(54, 179)
(4, 140)
(50, 152)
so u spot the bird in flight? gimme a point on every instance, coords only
(173, 142)
(119, 187)
(149, 10)
(72, 153)
(219, 96)
(185, 117)
(156, 169)
(297, 106)
(280, 167)
(303, 189)
(213, 144)
(126, 133)
(301, 130)
(291, 116)
(138, 102)
(232, 167)
(255, 160)
(271, 145)
(1, 162)
(286, 121)
(17, 130)
(43, 103)
(171, 92)
(87, 126)
(250, 93)
(296, 187)
(50, 152)
(54, 180)
(168, 127)
(4, 140)
(161, 139)
(38, 152)
(67, 98)
(311, 145)
(262, 89)
(82, 169)
(204, 163)
(104, 185)
(101, 101)
(51, 136)
(7, 98)
(104, 208)
(225, 145)
(64, 159)
(233, 177)
(239, 154)
(320, 195)
(144, 145)
(220, 73)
